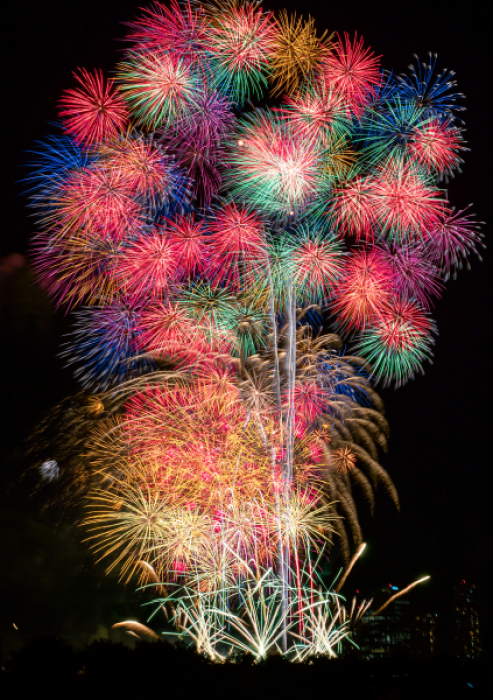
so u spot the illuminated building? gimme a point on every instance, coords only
(389, 631)
(467, 641)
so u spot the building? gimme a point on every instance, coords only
(467, 640)
(424, 635)
(388, 632)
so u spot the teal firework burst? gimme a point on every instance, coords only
(398, 343)
(276, 173)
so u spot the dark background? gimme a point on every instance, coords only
(441, 427)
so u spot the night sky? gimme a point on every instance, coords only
(441, 424)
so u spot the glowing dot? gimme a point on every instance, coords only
(241, 142)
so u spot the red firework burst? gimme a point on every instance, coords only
(403, 325)
(237, 242)
(316, 112)
(178, 26)
(353, 208)
(318, 264)
(435, 145)
(406, 200)
(353, 71)
(167, 331)
(98, 199)
(143, 167)
(308, 401)
(165, 327)
(363, 290)
(189, 240)
(95, 112)
(147, 266)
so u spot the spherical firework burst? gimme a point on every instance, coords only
(274, 172)
(297, 51)
(243, 39)
(159, 88)
(353, 71)
(363, 290)
(95, 112)
(398, 342)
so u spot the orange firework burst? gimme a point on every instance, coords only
(344, 459)
(297, 51)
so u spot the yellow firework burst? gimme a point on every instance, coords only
(297, 52)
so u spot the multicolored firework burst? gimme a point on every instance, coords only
(209, 245)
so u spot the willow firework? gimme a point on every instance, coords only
(211, 246)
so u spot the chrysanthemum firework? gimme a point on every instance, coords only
(398, 342)
(242, 38)
(94, 112)
(275, 172)
(298, 51)
(353, 71)
(365, 287)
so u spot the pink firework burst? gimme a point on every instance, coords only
(353, 71)
(237, 243)
(179, 27)
(242, 42)
(407, 201)
(316, 112)
(353, 210)
(309, 401)
(147, 266)
(95, 112)
(415, 274)
(318, 263)
(165, 328)
(143, 166)
(435, 145)
(452, 239)
(167, 332)
(98, 199)
(364, 289)
(188, 238)
(159, 87)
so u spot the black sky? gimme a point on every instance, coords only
(441, 424)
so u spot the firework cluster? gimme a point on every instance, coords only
(202, 241)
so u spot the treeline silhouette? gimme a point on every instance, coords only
(50, 667)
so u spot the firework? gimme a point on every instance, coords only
(363, 289)
(352, 71)
(407, 202)
(317, 261)
(433, 93)
(95, 112)
(220, 432)
(415, 275)
(398, 343)
(159, 88)
(353, 208)
(179, 29)
(274, 172)
(451, 240)
(242, 38)
(104, 345)
(237, 243)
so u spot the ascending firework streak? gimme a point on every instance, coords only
(206, 243)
